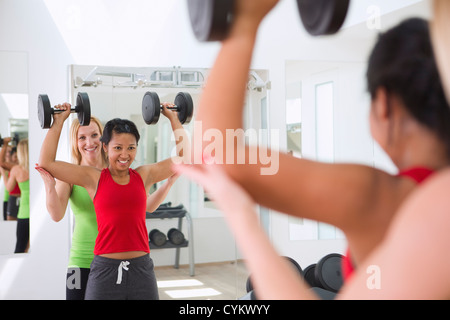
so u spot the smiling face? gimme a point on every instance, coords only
(88, 143)
(121, 151)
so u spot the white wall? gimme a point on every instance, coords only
(56, 33)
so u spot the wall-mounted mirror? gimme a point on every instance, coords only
(14, 221)
(208, 266)
(319, 105)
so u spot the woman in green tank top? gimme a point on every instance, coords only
(87, 150)
(19, 175)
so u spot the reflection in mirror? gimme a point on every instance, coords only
(311, 131)
(14, 181)
(206, 265)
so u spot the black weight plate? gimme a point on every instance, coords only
(185, 105)
(44, 111)
(83, 108)
(323, 17)
(296, 265)
(151, 107)
(309, 276)
(210, 19)
(249, 285)
(329, 272)
(175, 236)
(157, 237)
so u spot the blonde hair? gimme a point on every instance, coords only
(440, 28)
(76, 155)
(22, 154)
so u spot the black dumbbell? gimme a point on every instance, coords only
(157, 237)
(249, 285)
(15, 140)
(328, 272)
(310, 276)
(82, 109)
(151, 107)
(211, 19)
(175, 236)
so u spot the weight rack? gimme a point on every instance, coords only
(168, 212)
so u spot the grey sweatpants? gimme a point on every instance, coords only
(112, 279)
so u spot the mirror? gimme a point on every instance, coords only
(320, 131)
(208, 266)
(14, 222)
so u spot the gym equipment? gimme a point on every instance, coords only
(157, 237)
(309, 275)
(211, 19)
(249, 286)
(323, 17)
(175, 236)
(328, 272)
(151, 107)
(82, 109)
(15, 140)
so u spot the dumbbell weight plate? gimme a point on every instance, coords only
(329, 272)
(83, 109)
(322, 17)
(186, 107)
(151, 108)
(157, 237)
(309, 276)
(210, 19)
(44, 111)
(249, 285)
(175, 236)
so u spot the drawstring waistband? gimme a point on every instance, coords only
(122, 265)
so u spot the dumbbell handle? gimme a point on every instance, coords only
(175, 107)
(72, 110)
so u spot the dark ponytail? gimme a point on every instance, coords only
(403, 62)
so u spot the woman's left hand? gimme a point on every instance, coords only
(169, 114)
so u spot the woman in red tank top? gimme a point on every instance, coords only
(8, 159)
(122, 268)
(409, 119)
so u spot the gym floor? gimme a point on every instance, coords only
(212, 281)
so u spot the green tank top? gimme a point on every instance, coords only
(85, 231)
(24, 206)
(6, 196)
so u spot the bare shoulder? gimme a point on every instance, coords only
(419, 237)
(417, 240)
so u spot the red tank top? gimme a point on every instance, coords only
(121, 213)
(16, 190)
(417, 174)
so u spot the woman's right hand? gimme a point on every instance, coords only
(59, 118)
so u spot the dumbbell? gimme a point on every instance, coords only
(249, 286)
(211, 19)
(310, 276)
(82, 109)
(175, 236)
(157, 237)
(151, 107)
(328, 272)
(15, 140)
